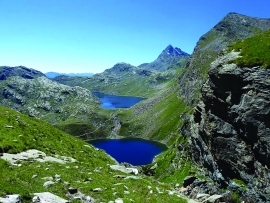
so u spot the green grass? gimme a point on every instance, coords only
(28, 133)
(255, 51)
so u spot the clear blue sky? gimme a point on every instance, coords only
(93, 35)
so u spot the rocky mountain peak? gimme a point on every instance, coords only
(173, 51)
(169, 58)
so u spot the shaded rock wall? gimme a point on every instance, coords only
(230, 128)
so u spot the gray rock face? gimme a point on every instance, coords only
(230, 127)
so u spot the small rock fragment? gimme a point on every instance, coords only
(11, 199)
(48, 184)
(213, 198)
(97, 190)
(119, 200)
(126, 192)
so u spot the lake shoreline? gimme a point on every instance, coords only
(135, 151)
(111, 101)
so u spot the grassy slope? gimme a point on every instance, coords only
(28, 133)
(255, 51)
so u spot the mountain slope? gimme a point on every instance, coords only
(231, 28)
(73, 109)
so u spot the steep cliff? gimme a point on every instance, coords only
(229, 130)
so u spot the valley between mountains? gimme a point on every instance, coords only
(211, 109)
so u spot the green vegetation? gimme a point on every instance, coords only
(255, 51)
(235, 197)
(241, 183)
(19, 133)
(167, 173)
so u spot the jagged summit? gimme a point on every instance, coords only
(173, 51)
(169, 58)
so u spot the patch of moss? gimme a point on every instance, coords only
(241, 183)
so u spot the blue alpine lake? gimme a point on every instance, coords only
(110, 101)
(131, 150)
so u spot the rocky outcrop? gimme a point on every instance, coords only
(229, 130)
(27, 73)
(56, 103)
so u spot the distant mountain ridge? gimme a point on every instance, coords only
(126, 79)
(27, 73)
(169, 58)
(52, 75)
